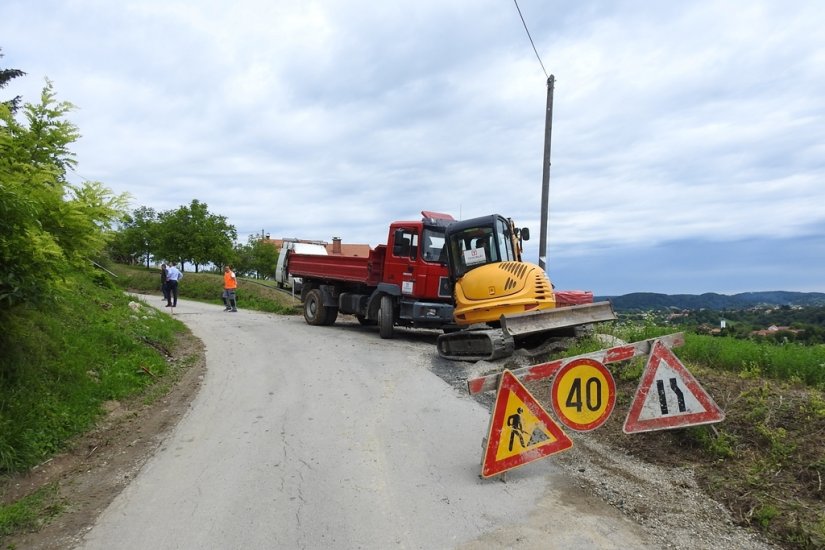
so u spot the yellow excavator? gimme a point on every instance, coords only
(500, 300)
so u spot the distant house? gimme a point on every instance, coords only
(773, 329)
(341, 249)
(335, 248)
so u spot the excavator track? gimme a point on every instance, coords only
(490, 344)
(475, 345)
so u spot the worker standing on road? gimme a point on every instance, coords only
(164, 288)
(230, 284)
(173, 276)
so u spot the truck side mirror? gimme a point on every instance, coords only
(525, 233)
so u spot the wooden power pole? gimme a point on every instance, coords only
(545, 179)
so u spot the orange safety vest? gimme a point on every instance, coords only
(229, 280)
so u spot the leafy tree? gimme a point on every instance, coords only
(48, 227)
(259, 258)
(137, 237)
(242, 259)
(266, 258)
(5, 77)
(192, 234)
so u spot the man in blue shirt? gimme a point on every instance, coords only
(173, 275)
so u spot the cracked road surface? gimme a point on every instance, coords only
(329, 437)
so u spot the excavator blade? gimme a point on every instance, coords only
(489, 344)
(557, 318)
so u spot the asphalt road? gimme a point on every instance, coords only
(329, 437)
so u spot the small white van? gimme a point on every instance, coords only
(283, 278)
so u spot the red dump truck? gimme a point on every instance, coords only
(402, 283)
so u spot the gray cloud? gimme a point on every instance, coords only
(688, 123)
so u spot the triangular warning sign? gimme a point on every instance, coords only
(669, 396)
(521, 431)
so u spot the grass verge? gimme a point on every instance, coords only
(766, 461)
(62, 366)
(31, 511)
(207, 287)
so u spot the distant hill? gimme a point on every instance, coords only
(651, 301)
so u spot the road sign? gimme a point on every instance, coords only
(669, 396)
(521, 431)
(583, 394)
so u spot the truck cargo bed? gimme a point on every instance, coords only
(355, 269)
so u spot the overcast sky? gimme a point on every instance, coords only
(688, 145)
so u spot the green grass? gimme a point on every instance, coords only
(207, 287)
(793, 362)
(28, 513)
(749, 358)
(765, 461)
(60, 365)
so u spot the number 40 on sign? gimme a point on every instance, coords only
(583, 394)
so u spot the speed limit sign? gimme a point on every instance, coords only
(583, 394)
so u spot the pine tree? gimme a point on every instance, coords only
(5, 77)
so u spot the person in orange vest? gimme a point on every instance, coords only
(230, 284)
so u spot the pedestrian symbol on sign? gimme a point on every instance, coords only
(521, 431)
(514, 423)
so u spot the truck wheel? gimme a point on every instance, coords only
(386, 317)
(314, 311)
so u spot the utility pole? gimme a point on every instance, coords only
(545, 179)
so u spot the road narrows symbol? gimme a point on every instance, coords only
(678, 400)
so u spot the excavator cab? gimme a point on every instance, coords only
(482, 241)
(488, 276)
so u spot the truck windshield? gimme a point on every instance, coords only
(476, 246)
(434, 250)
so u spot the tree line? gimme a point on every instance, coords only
(804, 325)
(189, 234)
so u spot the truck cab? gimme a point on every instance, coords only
(414, 277)
(416, 260)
